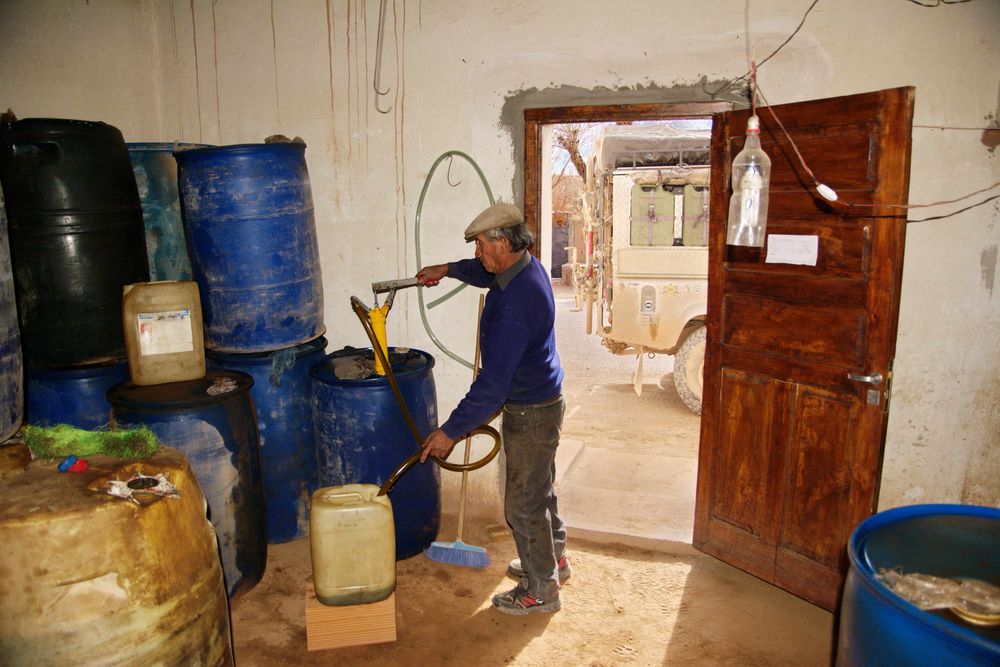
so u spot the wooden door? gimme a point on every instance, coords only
(791, 447)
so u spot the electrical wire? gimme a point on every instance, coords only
(824, 190)
(961, 210)
(749, 72)
(802, 160)
(943, 201)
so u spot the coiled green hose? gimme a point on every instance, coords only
(416, 231)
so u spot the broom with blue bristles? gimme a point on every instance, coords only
(458, 552)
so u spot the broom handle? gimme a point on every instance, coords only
(468, 440)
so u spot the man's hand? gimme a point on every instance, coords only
(437, 444)
(432, 275)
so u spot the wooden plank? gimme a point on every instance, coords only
(533, 182)
(624, 112)
(351, 625)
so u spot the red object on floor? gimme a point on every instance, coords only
(79, 465)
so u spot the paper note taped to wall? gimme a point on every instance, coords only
(792, 249)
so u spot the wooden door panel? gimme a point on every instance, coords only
(745, 458)
(826, 145)
(741, 515)
(791, 447)
(843, 247)
(791, 189)
(820, 480)
(822, 495)
(789, 370)
(791, 286)
(819, 333)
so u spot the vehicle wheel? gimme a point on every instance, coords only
(689, 369)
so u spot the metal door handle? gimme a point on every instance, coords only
(874, 378)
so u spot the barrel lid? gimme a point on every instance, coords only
(60, 125)
(184, 154)
(42, 495)
(268, 356)
(162, 146)
(215, 387)
(942, 543)
(352, 365)
(957, 542)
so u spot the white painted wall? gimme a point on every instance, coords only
(232, 71)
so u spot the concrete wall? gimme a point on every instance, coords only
(459, 74)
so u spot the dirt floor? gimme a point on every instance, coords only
(628, 465)
(622, 606)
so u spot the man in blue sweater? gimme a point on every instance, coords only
(522, 376)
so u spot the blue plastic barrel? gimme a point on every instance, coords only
(11, 365)
(362, 437)
(251, 233)
(156, 177)
(878, 627)
(282, 394)
(74, 396)
(213, 423)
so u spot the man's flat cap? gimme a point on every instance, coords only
(495, 217)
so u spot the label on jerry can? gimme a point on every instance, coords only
(165, 333)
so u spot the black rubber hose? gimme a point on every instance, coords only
(485, 429)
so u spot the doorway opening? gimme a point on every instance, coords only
(628, 265)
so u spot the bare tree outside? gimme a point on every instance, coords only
(572, 145)
(570, 137)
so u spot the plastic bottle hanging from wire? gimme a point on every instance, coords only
(751, 174)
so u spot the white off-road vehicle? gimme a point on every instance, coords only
(645, 219)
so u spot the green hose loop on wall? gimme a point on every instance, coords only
(416, 231)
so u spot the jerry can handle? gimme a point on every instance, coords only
(343, 494)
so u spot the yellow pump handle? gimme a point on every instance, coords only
(380, 355)
(377, 316)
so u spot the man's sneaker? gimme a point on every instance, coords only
(515, 570)
(519, 602)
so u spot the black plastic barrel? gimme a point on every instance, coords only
(362, 436)
(76, 237)
(213, 422)
(251, 231)
(11, 370)
(282, 394)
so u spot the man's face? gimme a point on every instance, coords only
(490, 252)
